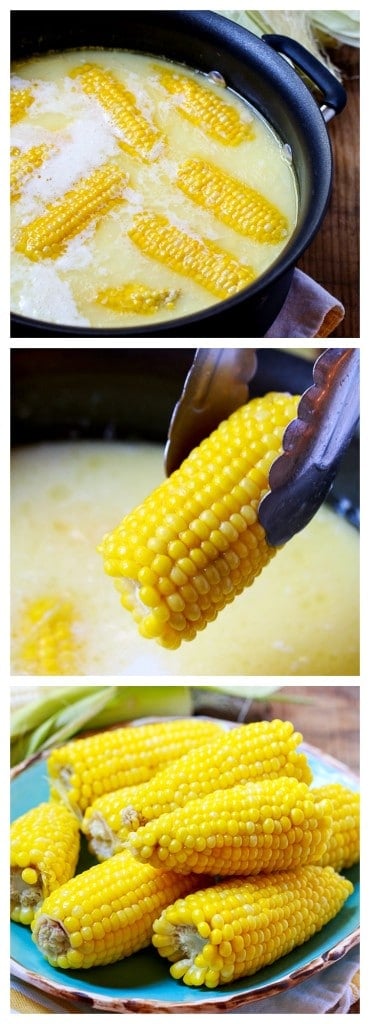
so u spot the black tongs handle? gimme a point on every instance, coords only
(314, 443)
(216, 385)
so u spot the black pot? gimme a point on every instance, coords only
(129, 394)
(207, 41)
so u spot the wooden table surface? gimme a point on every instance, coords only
(333, 258)
(328, 718)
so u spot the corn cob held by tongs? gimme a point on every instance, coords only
(206, 532)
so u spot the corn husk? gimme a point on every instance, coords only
(317, 31)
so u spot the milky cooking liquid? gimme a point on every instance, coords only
(300, 616)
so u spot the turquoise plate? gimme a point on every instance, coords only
(142, 982)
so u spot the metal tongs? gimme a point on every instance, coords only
(313, 443)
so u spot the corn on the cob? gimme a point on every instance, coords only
(44, 848)
(259, 750)
(233, 202)
(50, 646)
(92, 198)
(20, 101)
(83, 769)
(137, 135)
(259, 827)
(237, 927)
(343, 849)
(106, 913)
(205, 108)
(200, 259)
(137, 298)
(22, 166)
(195, 542)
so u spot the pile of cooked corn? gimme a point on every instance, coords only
(212, 844)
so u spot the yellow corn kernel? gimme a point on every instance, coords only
(210, 504)
(205, 108)
(44, 848)
(85, 768)
(343, 849)
(200, 259)
(20, 101)
(239, 926)
(92, 198)
(248, 753)
(137, 135)
(272, 825)
(49, 645)
(106, 913)
(22, 166)
(137, 298)
(232, 201)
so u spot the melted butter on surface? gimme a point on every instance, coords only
(300, 617)
(83, 136)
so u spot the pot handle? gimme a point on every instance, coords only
(334, 95)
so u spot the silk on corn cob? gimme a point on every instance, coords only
(272, 825)
(136, 134)
(205, 108)
(198, 258)
(91, 199)
(20, 101)
(83, 769)
(232, 201)
(106, 913)
(239, 926)
(195, 542)
(343, 849)
(23, 165)
(44, 848)
(137, 298)
(50, 644)
(259, 750)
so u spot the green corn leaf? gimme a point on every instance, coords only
(135, 701)
(56, 718)
(34, 712)
(71, 720)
